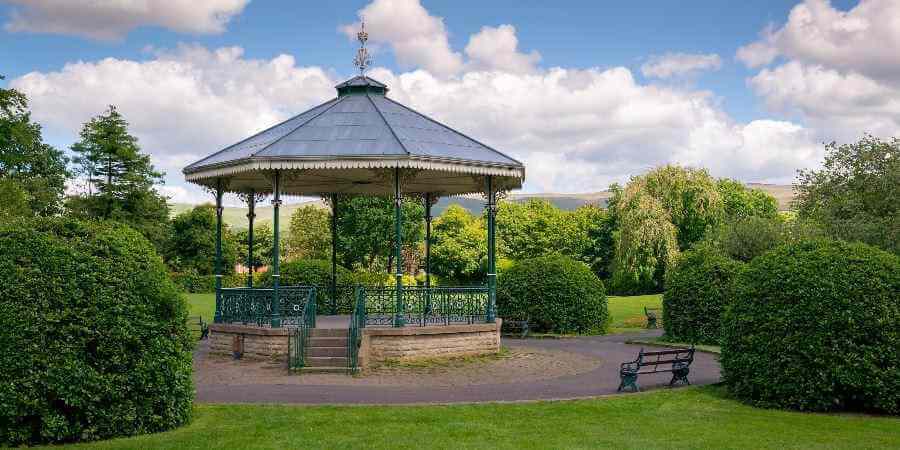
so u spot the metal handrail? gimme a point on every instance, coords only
(354, 335)
(298, 343)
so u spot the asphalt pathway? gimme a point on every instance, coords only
(603, 380)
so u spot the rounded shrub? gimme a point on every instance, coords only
(815, 326)
(555, 294)
(697, 291)
(94, 335)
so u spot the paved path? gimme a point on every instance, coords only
(601, 381)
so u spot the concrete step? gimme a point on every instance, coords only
(328, 332)
(308, 369)
(326, 351)
(326, 361)
(327, 342)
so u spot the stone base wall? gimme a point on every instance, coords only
(404, 344)
(258, 342)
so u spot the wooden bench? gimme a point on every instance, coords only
(678, 361)
(520, 327)
(197, 325)
(652, 316)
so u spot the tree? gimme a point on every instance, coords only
(366, 231)
(120, 178)
(459, 250)
(689, 197)
(740, 202)
(263, 238)
(855, 194)
(646, 243)
(310, 233)
(192, 245)
(13, 200)
(38, 169)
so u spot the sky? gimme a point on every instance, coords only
(585, 93)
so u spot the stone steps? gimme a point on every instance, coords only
(327, 351)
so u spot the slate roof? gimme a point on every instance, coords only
(361, 123)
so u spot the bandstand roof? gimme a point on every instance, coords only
(351, 144)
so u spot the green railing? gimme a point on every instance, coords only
(354, 335)
(254, 305)
(427, 306)
(298, 342)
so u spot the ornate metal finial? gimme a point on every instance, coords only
(362, 59)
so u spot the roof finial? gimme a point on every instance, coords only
(362, 59)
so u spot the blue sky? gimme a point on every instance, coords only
(757, 114)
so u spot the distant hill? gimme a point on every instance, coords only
(236, 217)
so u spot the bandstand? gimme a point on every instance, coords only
(359, 143)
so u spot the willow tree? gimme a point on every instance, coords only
(646, 243)
(688, 195)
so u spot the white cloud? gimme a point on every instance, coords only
(109, 20)
(577, 130)
(181, 104)
(498, 49)
(417, 38)
(840, 70)
(846, 104)
(679, 64)
(864, 39)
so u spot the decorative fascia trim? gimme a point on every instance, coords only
(356, 163)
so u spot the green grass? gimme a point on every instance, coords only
(695, 418)
(627, 313)
(202, 305)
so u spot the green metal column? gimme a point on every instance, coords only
(251, 214)
(334, 212)
(399, 319)
(276, 264)
(428, 202)
(492, 259)
(218, 266)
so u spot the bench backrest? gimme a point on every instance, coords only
(665, 357)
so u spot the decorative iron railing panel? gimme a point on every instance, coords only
(254, 305)
(427, 306)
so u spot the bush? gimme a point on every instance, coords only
(697, 291)
(193, 283)
(93, 332)
(815, 326)
(555, 294)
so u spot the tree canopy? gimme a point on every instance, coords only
(192, 245)
(310, 233)
(120, 178)
(366, 231)
(38, 170)
(856, 193)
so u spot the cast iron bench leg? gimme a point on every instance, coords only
(629, 380)
(680, 375)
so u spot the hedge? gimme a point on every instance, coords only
(555, 294)
(94, 335)
(815, 326)
(697, 291)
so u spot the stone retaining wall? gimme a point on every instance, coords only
(257, 342)
(410, 343)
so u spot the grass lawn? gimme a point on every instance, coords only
(683, 418)
(202, 305)
(628, 312)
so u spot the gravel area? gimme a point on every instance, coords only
(520, 364)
